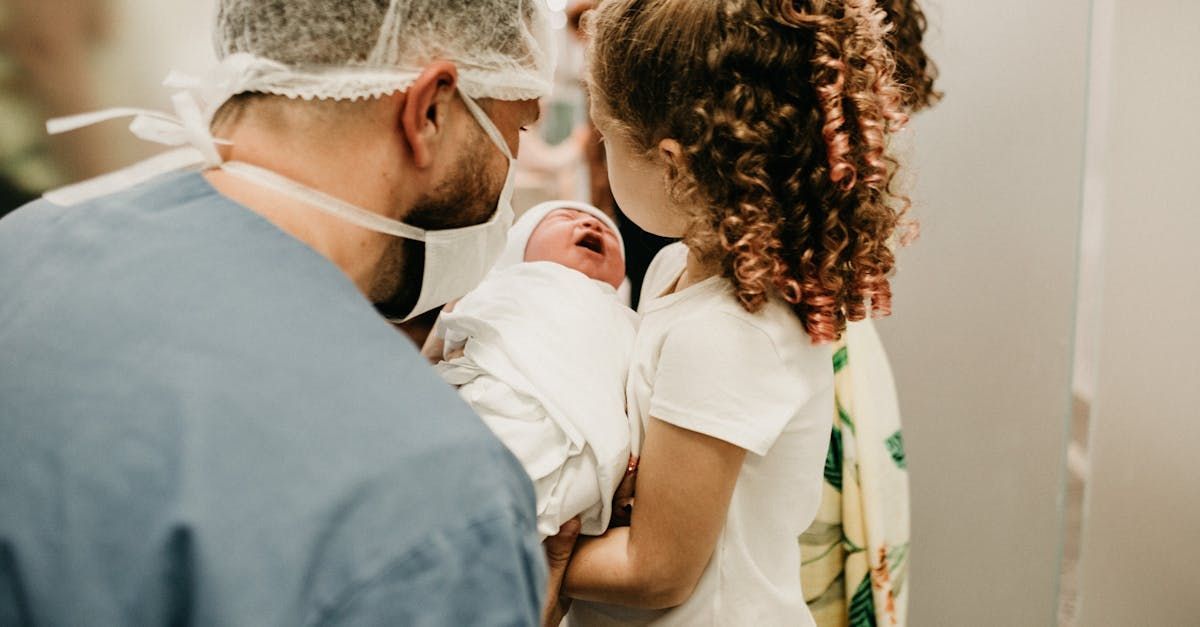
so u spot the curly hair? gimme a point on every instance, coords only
(914, 69)
(784, 110)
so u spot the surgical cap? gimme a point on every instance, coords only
(356, 49)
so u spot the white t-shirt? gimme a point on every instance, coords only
(701, 362)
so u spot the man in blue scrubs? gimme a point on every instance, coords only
(204, 419)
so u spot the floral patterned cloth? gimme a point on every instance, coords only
(855, 554)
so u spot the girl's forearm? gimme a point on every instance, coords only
(685, 486)
(604, 570)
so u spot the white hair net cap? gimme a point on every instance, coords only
(331, 50)
(354, 49)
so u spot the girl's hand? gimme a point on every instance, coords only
(623, 499)
(558, 556)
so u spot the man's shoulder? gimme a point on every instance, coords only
(217, 325)
(168, 189)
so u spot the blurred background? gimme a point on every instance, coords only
(1046, 329)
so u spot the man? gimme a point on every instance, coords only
(204, 419)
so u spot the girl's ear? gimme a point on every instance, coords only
(670, 155)
(671, 152)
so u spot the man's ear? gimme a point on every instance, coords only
(426, 109)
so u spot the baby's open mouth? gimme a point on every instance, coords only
(593, 242)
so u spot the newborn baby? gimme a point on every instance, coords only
(541, 351)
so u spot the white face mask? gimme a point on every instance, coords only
(456, 260)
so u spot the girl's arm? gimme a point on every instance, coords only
(685, 483)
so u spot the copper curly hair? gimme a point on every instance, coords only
(784, 109)
(914, 69)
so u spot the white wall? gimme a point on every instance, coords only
(1141, 535)
(981, 341)
(149, 39)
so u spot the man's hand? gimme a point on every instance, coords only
(558, 554)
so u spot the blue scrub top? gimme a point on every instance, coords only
(202, 421)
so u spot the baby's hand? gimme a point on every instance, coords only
(623, 499)
(435, 343)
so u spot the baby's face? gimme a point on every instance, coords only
(578, 240)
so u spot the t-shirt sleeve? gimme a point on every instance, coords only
(663, 270)
(720, 375)
(491, 572)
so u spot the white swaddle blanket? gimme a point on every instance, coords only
(546, 353)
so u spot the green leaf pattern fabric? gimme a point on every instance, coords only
(862, 606)
(895, 444)
(833, 461)
(855, 554)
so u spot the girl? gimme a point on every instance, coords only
(756, 130)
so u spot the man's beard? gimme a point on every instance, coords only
(466, 199)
